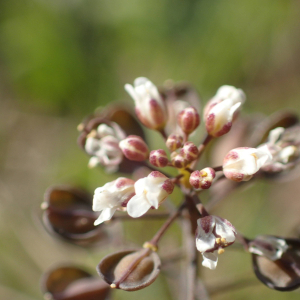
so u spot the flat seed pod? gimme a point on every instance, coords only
(130, 270)
(73, 283)
(68, 214)
(282, 274)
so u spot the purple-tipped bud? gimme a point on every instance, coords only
(188, 119)
(174, 141)
(202, 179)
(178, 160)
(149, 106)
(158, 158)
(222, 109)
(189, 151)
(134, 148)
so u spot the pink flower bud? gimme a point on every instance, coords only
(174, 142)
(189, 151)
(188, 119)
(150, 191)
(134, 148)
(178, 160)
(202, 179)
(149, 106)
(241, 164)
(158, 158)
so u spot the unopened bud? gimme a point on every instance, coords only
(189, 151)
(158, 158)
(134, 148)
(149, 106)
(202, 179)
(174, 142)
(178, 160)
(188, 119)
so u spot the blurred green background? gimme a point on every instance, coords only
(59, 60)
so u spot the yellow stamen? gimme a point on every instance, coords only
(113, 286)
(221, 251)
(223, 240)
(218, 240)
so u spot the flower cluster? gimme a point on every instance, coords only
(115, 140)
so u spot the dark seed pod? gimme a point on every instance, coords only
(130, 270)
(282, 274)
(278, 119)
(73, 283)
(68, 214)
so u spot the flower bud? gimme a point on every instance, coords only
(150, 191)
(149, 106)
(213, 234)
(241, 164)
(189, 151)
(188, 120)
(130, 270)
(112, 196)
(174, 142)
(178, 161)
(202, 179)
(134, 148)
(221, 109)
(158, 158)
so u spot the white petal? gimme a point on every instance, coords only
(264, 156)
(105, 215)
(210, 260)
(274, 135)
(224, 230)
(205, 240)
(131, 91)
(137, 206)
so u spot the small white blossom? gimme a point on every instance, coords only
(103, 146)
(112, 196)
(268, 246)
(150, 191)
(220, 110)
(284, 147)
(149, 105)
(212, 235)
(241, 164)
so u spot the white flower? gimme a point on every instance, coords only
(268, 246)
(112, 196)
(212, 235)
(150, 191)
(241, 164)
(149, 105)
(103, 146)
(284, 147)
(219, 112)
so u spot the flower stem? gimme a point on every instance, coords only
(219, 168)
(201, 148)
(200, 207)
(166, 225)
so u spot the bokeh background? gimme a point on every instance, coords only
(59, 60)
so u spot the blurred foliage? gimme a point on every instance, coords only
(59, 60)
